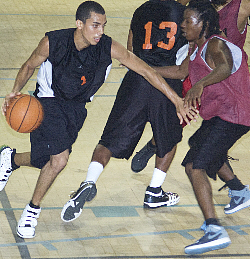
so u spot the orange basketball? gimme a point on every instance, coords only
(24, 113)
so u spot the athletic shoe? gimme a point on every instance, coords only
(204, 226)
(28, 221)
(154, 200)
(239, 200)
(140, 160)
(215, 238)
(73, 208)
(5, 165)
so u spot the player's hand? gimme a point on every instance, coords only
(7, 100)
(186, 113)
(193, 96)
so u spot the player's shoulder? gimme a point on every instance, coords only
(60, 33)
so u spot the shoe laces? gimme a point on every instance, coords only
(28, 221)
(73, 193)
(229, 193)
(29, 218)
(231, 158)
(171, 195)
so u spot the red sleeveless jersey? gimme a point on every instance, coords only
(228, 99)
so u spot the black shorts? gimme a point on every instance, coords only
(137, 103)
(210, 143)
(58, 131)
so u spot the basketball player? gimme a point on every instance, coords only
(74, 63)
(221, 86)
(233, 17)
(157, 38)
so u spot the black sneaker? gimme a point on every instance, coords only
(156, 197)
(73, 208)
(140, 160)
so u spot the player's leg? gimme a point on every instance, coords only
(121, 134)
(87, 190)
(155, 196)
(239, 193)
(50, 148)
(28, 221)
(204, 159)
(215, 236)
(167, 133)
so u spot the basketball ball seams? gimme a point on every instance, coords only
(12, 108)
(24, 115)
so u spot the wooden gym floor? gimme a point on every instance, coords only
(114, 224)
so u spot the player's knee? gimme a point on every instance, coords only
(58, 162)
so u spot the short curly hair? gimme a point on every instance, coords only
(84, 10)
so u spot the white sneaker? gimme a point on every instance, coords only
(5, 165)
(154, 200)
(27, 222)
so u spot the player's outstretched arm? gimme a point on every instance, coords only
(154, 78)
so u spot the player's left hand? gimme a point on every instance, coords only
(186, 113)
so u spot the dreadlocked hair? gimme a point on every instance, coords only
(217, 3)
(208, 14)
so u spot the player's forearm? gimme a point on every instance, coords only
(173, 72)
(154, 78)
(22, 78)
(220, 73)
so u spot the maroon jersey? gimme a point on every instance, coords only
(228, 99)
(228, 23)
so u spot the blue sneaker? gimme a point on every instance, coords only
(73, 208)
(239, 200)
(215, 238)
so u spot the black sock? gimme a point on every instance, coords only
(235, 184)
(33, 206)
(154, 189)
(212, 221)
(13, 164)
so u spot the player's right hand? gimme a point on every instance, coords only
(6, 101)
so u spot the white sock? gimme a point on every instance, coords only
(94, 171)
(158, 178)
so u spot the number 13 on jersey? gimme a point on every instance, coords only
(170, 35)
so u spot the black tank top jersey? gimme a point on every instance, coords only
(157, 33)
(77, 75)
